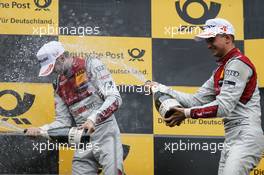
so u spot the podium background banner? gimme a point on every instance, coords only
(138, 40)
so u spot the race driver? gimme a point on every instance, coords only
(232, 94)
(85, 94)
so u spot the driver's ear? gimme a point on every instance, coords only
(229, 39)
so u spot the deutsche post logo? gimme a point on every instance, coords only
(136, 54)
(209, 12)
(42, 4)
(23, 105)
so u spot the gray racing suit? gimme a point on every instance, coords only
(87, 91)
(232, 94)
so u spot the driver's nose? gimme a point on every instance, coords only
(209, 45)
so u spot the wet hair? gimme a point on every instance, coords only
(66, 54)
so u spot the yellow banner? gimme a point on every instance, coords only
(259, 170)
(183, 19)
(129, 60)
(141, 153)
(26, 104)
(65, 161)
(29, 17)
(203, 127)
(253, 50)
(138, 147)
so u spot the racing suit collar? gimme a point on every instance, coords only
(229, 55)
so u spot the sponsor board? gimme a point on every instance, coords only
(141, 154)
(127, 59)
(65, 162)
(136, 147)
(253, 50)
(185, 19)
(26, 104)
(29, 16)
(192, 155)
(259, 170)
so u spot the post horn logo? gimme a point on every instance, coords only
(136, 54)
(42, 4)
(23, 105)
(209, 13)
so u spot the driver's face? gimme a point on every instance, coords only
(59, 64)
(217, 45)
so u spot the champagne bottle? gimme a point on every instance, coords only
(164, 103)
(67, 135)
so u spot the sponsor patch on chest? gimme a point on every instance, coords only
(80, 77)
(232, 73)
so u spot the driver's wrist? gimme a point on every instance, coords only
(92, 117)
(187, 112)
